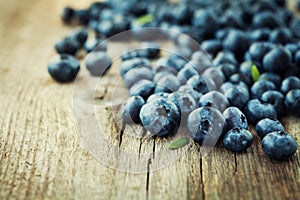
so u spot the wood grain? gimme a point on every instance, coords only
(41, 156)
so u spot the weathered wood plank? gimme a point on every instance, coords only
(40, 152)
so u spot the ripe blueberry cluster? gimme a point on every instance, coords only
(254, 76)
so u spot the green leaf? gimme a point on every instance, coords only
(144, 19)
(255, 73)
(179, 143)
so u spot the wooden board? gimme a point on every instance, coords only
(40, 152)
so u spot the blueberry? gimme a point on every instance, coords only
(290, 83)
(153, 49)
(239, 77)
(82, 16)
(277, 60)
(258, 50)
(297, 58)
(168, 83)
(143, 88)
(237, 42)
(213, 78)
(67, 15)
(266, 20)
(259, 87)
(272, 77)
(159, 95)
(206, 125)
(261, 34)
(188, 89)
(68, 45)
(237, 96)
(228, 70)
(295, 26)
(282, 36)
(198, 83)
(228, 85)
(292, 101)
(95, 45)
(160, 117)
(136, 74)
(185, 73)
(176, 62)
(268, 125)
(98, 63)
(212, 46)
(225, 57)
(134, 63)
(279, 145)
(81, 36)
(256, 111)
(64, 68)
(184, 102)
(131, 109)
(237, 140)
(235, 118)
(203, 17)
(215, 100)
(106, 28)
(276, 99)
(161, 65)
(292, 48)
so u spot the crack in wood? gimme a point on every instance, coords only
(153, 151)
(148, 177)
(121, 134)
(201, 178)
(235, 165)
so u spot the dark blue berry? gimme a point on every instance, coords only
(206, 125)
(159, 95)
(212, 46)
(276, 99)
(134, 63)
(259, 87)
(198, 83)
(292, 101)
(256, 111)
(136, 74)
(261, 34)
(281, 36)
(279, 145)
(272, 77)
(81, 36)
(95, 45)
(228, 70)
(143, 88)
(268, 125)
(98, 63)
(277, 60)
(225, 57)
(67, 15)
(68, 45)
(131, 109)
(235, 118)
(215, 100)
(237, 140)
(237, 42)
(186, 73)
(184, 102)
(258, 50)
(290, 83)
(160, 117)
(203, 17)
(168, 83)
(237, 96)
(64, 68)
(188, 89)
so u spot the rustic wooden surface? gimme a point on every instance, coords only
(40, 155)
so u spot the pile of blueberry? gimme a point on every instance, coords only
(255, 50)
